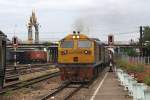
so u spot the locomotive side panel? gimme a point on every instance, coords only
(96, 52)
(103, 54)
(99, 50)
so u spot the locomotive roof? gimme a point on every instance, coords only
(70, 36)
(82, 36)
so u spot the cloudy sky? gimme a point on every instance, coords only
(96, 18)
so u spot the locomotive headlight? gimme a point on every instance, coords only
(73, 36)
(78, 37)
(85, 51)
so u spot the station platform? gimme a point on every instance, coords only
(109, 89)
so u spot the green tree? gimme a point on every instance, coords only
(146, 40)
(146, 34)
(130, 51)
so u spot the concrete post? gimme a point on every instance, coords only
(48, 55)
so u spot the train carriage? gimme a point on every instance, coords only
(25, 57)
(80, 58)
(37, 56)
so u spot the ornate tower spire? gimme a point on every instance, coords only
(33, 23)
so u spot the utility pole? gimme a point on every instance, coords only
(141, 40)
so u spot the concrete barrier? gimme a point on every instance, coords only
(139, 91)
(131, 85)
(125, 81)
(147, 94)
(120, 76)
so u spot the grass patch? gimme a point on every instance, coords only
(130, 67)
(8, 93)
(147, 80)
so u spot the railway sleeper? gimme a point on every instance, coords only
(11, 78)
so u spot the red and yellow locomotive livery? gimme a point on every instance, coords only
(80, 58)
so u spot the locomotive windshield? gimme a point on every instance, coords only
(66, 44)
(84, 44)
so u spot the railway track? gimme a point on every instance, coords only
(29, 82)
(73, 92)
(25, 69)
(66, 91)
(10, 68)
(61, 90)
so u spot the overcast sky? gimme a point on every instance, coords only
(97, 18)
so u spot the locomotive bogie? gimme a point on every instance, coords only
(77, 74)
(80, 73)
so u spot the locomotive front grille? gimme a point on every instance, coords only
(75, 59)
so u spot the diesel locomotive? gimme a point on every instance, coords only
(80, 58)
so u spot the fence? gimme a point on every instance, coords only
(137, 60)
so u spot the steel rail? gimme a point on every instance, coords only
(26, 83)
(59, 89)
(73, 92)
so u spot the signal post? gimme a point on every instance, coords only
(15, 46)
(111, 52)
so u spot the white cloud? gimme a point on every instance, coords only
(67, 5)
(101, 16)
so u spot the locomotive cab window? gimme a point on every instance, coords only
(66, 44)
(84, 44)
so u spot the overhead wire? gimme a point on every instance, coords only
(57, 36)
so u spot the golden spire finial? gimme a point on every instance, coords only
(33, 11)
(34, 19)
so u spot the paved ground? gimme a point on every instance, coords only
(109, 89)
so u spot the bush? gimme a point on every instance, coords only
(140, 68)
(121, 64)
(130, 67)
(147, 80)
